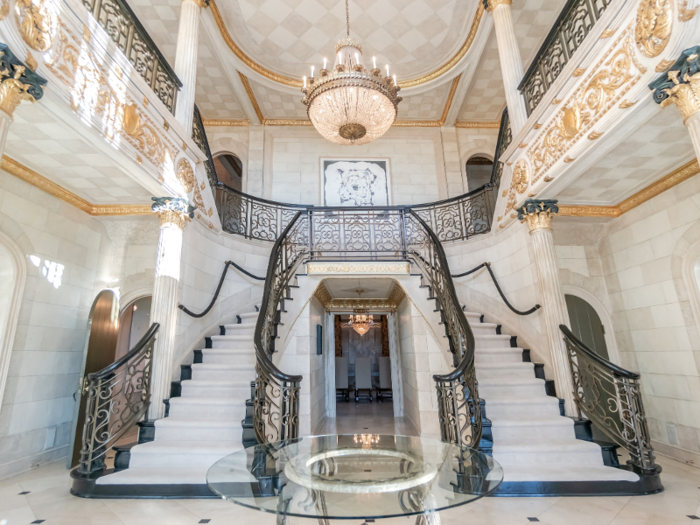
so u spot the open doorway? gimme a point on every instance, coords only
(229, 170)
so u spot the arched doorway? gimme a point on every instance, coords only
(478, 171)
(586, 325)
(229, 170)
(134, 322)
(12, 276)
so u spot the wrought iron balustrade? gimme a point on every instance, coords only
(199, 135)
(611, 398)
(117, 397)
(125, 30)
(571, 28)
(505, 137)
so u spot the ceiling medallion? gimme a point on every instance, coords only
(351, 105)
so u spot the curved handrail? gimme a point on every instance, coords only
(498, 287)
(463, 377)
(218, 290)
(106, 371)
(116, 397)
(580, 346)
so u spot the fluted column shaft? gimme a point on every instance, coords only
(5, 121)
(692, 123)
(186, 60)
(511, 63)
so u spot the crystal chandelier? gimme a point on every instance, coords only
(366, 440)
(361, 322)
(351, 105)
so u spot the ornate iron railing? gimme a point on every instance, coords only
(199, 135)
(459, 410)
(125, 30)
(571, 28)
(117, 397)
(611, 398)
(505, 137)
(276, 403)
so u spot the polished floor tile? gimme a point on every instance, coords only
(42, 496)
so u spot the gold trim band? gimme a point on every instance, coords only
(294, 82)
(251, 96)
(218, 122)
(478, 125)
(656, 188)
(39, 181)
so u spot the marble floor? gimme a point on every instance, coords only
(41, 496)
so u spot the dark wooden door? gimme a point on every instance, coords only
(586, 325)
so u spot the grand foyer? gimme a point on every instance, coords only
(181, 226)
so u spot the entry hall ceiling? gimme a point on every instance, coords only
(347, 288)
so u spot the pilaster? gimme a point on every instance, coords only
(173, 214)
(539, 214)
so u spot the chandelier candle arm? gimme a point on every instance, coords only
(349, 104)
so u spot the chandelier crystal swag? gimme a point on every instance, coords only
(351, 105)
(361, 322)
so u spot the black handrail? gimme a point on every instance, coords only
(498, 287)
(580, 346)
(106, 371)
(218, 290)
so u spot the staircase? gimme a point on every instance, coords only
(203, 423)
(532, 441)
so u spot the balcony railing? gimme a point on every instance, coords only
(571, 28)
(125, 30)
(199, 135)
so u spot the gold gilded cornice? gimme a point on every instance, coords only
(356, 268)
(286, 122)
(30, 176)
(665, 183)
(220, 122)
(348, 304)
(297, 83)
(450, 98)
(251, 96)
(496, 124)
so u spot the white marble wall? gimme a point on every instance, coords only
(317, 372)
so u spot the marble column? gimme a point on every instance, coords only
(17, 83)
(173, 213)
(538, 215)
(680, 86)
(186, 59)
(511, 63)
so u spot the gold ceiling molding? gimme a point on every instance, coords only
(286, 122)
(478, 125)
(294, 82)
(315, 268)
(665, 183)
(348, 304)
(251, 96)
(39, 181)
(220, 122)
(450, 98)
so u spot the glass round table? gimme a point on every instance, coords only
(360, 476)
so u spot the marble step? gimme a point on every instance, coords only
(497, 370)
(565, 473)
(543, 427)
(240, 329)
(480, 329)
(181, 453)
(157, 476)
(498, 355)
(473, 317)
(198, 429)
(249, 318)
(243, 342)
(228, 356)
(492, 341)
(223, 372)
(518, 451)
(531, 406)
(511, 386)
(231, 389)
(216, 407)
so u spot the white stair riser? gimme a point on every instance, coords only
(173, 460)
(223, 375)
(190, 433)
(504, 411)
(535, 431)
(478, 329)
(235, 411)
(236, 344)
(499, 357)
(228, 359)
(240, 329)
(233, 392)
(498, 341)
(250, 318)
(517, 370)
(511, 390)
(549, 457)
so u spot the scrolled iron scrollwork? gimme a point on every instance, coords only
(611, 398)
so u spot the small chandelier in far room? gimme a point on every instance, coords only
(361, 322)
(351, 105)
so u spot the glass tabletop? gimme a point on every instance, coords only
(363, 476)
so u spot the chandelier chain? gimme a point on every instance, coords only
(347, 17)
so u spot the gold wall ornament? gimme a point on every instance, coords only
(653, 26)
(593, 135)
(537, 125)
(607, 33)
(571, 121)
(685, 14)
(521, 176)
(131, 121)
(626, 104)
(12, 91)
(197, 199)
(664, 65)
(4, 9)
(31, 62)
(578, 72)
(548, 179)
(185, 174)
(588, 211)
(568, 160)
(37, 22)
